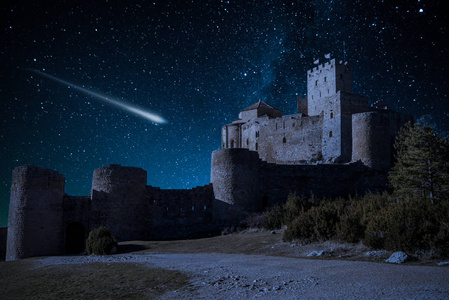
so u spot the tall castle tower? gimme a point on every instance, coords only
(35, 213)
(329, 94)
(325, 81)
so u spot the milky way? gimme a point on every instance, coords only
(197, 63)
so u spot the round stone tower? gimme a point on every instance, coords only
(235, 178)
(119, 202)
(371, 139)
(35, 213)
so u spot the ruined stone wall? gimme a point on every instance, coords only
(3, 238)
(119, 201)
(287, 140)
(35, 213)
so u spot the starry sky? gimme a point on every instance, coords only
(196, 63)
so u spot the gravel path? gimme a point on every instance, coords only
(237, 276)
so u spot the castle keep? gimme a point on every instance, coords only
(335, 145)
(333, 125)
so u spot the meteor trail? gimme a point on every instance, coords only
(118, 103)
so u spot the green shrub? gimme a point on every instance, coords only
(100, 241)
(300, 228)
(375, 232)
(350, 228)
(255, 220)
(275, 217)
(414, 224)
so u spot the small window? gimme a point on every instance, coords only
(205, 207)
(232, 144)
(193, 207)
(293, 125)
(320, 93)
(330, 134)
(316, 82)
(325, 79)
(332, 115)
(257, 146)
(247, 142)
(284, 140)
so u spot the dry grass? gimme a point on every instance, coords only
(257, 242)
(25, 279)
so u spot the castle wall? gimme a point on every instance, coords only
(35, 213)
(76, 223)
(235, 177)
(3, 238)
(272, 183)
(287, 140)
(371, 139)
(119, 201)
(180, 213)
(277, 181)
(374, 134)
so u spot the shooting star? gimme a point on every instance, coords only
(109, 100)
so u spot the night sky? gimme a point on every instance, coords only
(196, 64)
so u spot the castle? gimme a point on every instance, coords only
(334, 146)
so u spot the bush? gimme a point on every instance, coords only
(100, 241)
(413, 225)
(275, 218)
(316, 223)
(255, 220)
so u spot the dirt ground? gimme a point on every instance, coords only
(259, 265)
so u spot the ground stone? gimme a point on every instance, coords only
(398, 257)
(317, 253)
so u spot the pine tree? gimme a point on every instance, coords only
(422, 162)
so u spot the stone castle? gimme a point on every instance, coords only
(334, 146)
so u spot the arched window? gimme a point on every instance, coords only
(332, 115)
(330, 133)
(232, 144)
(284, 140)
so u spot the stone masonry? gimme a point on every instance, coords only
(335, 145)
